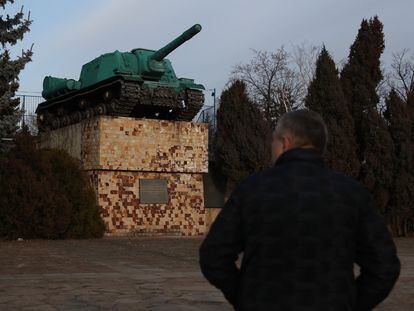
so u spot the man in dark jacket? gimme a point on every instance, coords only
(301, 227)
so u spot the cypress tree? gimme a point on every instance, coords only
(377, 159)
(12, 29)
(242, 141)
(360, 78)
(325, 96)
(362, 74)
(410, 108)
(402, 197)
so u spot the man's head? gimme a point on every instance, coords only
(301, 128)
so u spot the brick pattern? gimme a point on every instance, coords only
(153, 145)
(118, 151)
(118, 195)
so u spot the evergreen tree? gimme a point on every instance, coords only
(362, 74)
(402, 198)
(360, 78)
(12, 29)
(242, 141)
(410, 108)
(325, 96)
(377, 159)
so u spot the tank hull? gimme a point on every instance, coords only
(120, 97)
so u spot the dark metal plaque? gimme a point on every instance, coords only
(153, 191)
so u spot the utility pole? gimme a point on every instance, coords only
(24, 110)
(214, 108)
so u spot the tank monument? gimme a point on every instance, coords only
(128, 120)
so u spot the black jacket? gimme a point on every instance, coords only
(301, 227)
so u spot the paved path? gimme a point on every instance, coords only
(129, 274)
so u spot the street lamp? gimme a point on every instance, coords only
(213, 94)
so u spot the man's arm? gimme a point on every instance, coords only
(220, 249)
(377, 257)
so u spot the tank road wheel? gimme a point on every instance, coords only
(60, 111)
(64, 121)
(100, 109)
(76, 117)
(88, 113)
(82, 104)
(55, 122)
(111, 107)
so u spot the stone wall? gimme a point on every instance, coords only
(153, 145)
(119, 197)
(67, 138)
(117, 152)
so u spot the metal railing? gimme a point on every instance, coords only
(206, 115)
(28, 104)
(208, 112)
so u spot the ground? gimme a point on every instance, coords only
(134, 273)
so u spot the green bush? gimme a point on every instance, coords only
(73, 182)
(45, 194)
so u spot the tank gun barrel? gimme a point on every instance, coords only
(185, 36)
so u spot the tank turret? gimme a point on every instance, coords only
(140, 83)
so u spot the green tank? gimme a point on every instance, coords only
(141, 83)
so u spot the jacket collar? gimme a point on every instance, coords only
(300, 154)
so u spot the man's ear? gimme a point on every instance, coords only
(287, 142)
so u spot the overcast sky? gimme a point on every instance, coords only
(68, 33)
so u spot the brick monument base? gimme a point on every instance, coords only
(147, 174)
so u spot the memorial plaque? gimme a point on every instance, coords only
(153, 191)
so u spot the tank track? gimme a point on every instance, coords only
(120, 98)
(193, 102)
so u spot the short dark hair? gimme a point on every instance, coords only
(306, 127)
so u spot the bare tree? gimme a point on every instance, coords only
(304, 60)
(31, 123)
(401, 76)
(277, 81)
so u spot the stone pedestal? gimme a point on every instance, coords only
(122, 155)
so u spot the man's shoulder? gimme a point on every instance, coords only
(252, 181)
(256, 178)
(345, 181)
(276, 174)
